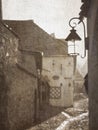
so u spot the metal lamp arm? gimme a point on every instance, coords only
(70, 22)
(74, 25)
(84, 40)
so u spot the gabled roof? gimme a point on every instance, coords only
(33, 38)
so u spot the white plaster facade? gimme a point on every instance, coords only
(59, 70)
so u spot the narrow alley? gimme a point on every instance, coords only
(73, 118)
(48, 65)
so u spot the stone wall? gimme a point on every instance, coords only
(18, 84)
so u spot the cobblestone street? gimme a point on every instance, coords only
(53, 118)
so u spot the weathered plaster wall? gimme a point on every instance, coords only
(59, 71)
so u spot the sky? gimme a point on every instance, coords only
(51, 15)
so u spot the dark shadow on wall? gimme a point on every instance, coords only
(3, 103)
(47, 111)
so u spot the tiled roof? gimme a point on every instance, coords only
(33, 38)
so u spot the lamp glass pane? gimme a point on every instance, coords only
(71, 47)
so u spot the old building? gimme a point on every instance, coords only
(18, 83)
(33, 38)
(59, 71)
(55, 87)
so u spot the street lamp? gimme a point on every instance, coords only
(73, 36)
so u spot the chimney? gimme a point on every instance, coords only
(53, 35)
(0, 9)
